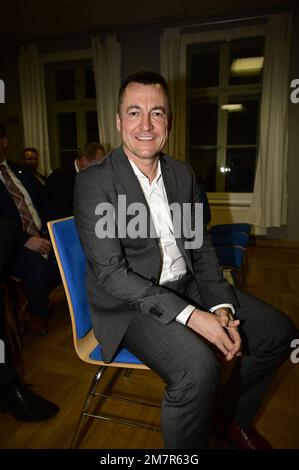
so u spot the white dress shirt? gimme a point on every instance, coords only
(23, 190)
(76, 166)
(173, 264)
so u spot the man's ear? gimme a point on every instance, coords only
(118, 123)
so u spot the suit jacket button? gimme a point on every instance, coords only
(153, 280)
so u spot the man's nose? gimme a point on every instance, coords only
(146, 122)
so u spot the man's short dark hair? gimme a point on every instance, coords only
(145, 78)
(2, 131)
(90, 150)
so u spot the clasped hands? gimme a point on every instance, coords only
(219, 328)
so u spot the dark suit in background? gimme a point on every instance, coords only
(129, 308)
(61, 182)
(9, 233)
(39, 275)
(7, 206)
(15, 397)
(60, 190)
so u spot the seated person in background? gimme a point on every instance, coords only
(22, 200)
(30, 160)
(60, 184)
(15, 397)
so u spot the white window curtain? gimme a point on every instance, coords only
(34, 110)
(269, 203)
(172, 70)
(106, 62)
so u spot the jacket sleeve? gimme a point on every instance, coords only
(213, 288)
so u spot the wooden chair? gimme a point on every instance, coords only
(231, 241)
(71, 262)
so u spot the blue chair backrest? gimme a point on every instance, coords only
(230, 238)
(73, 263)
(231, 256)
(228, 228)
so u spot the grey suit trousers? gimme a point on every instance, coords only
(191, 370)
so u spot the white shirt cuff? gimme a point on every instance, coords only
(185, 314)
(212, 309)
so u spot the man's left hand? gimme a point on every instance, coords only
(227, 321)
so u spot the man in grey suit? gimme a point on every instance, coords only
(159, 296)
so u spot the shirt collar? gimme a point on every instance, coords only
(76, 166)
(4, 162)
(142, 176)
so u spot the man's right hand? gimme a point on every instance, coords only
(40, 245)
(212, 328)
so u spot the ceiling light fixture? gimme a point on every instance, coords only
(247, 66)
(232, 108)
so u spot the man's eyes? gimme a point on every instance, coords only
(133, 113)
(158, 114)
(154, 114)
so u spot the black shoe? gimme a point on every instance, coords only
(25, 405)
(232, 436)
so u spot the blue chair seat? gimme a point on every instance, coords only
(124, 356)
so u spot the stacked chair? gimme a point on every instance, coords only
(231, 241)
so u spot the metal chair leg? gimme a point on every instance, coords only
(127, 373)
(99, 374)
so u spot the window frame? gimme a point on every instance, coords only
(216, 198)
(63, 57)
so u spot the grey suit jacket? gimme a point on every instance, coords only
(122, 273)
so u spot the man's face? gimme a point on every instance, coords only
(31, 159)
(143, 121)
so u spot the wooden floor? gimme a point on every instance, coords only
(55, 372)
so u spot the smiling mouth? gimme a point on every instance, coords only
(145, 138)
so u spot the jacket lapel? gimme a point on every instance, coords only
(173, 196)
(128, 185)
(127, 178)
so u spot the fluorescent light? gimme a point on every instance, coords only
(247, 66)
(232, 108)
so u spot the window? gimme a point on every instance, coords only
(71, 104)
(224, 81)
